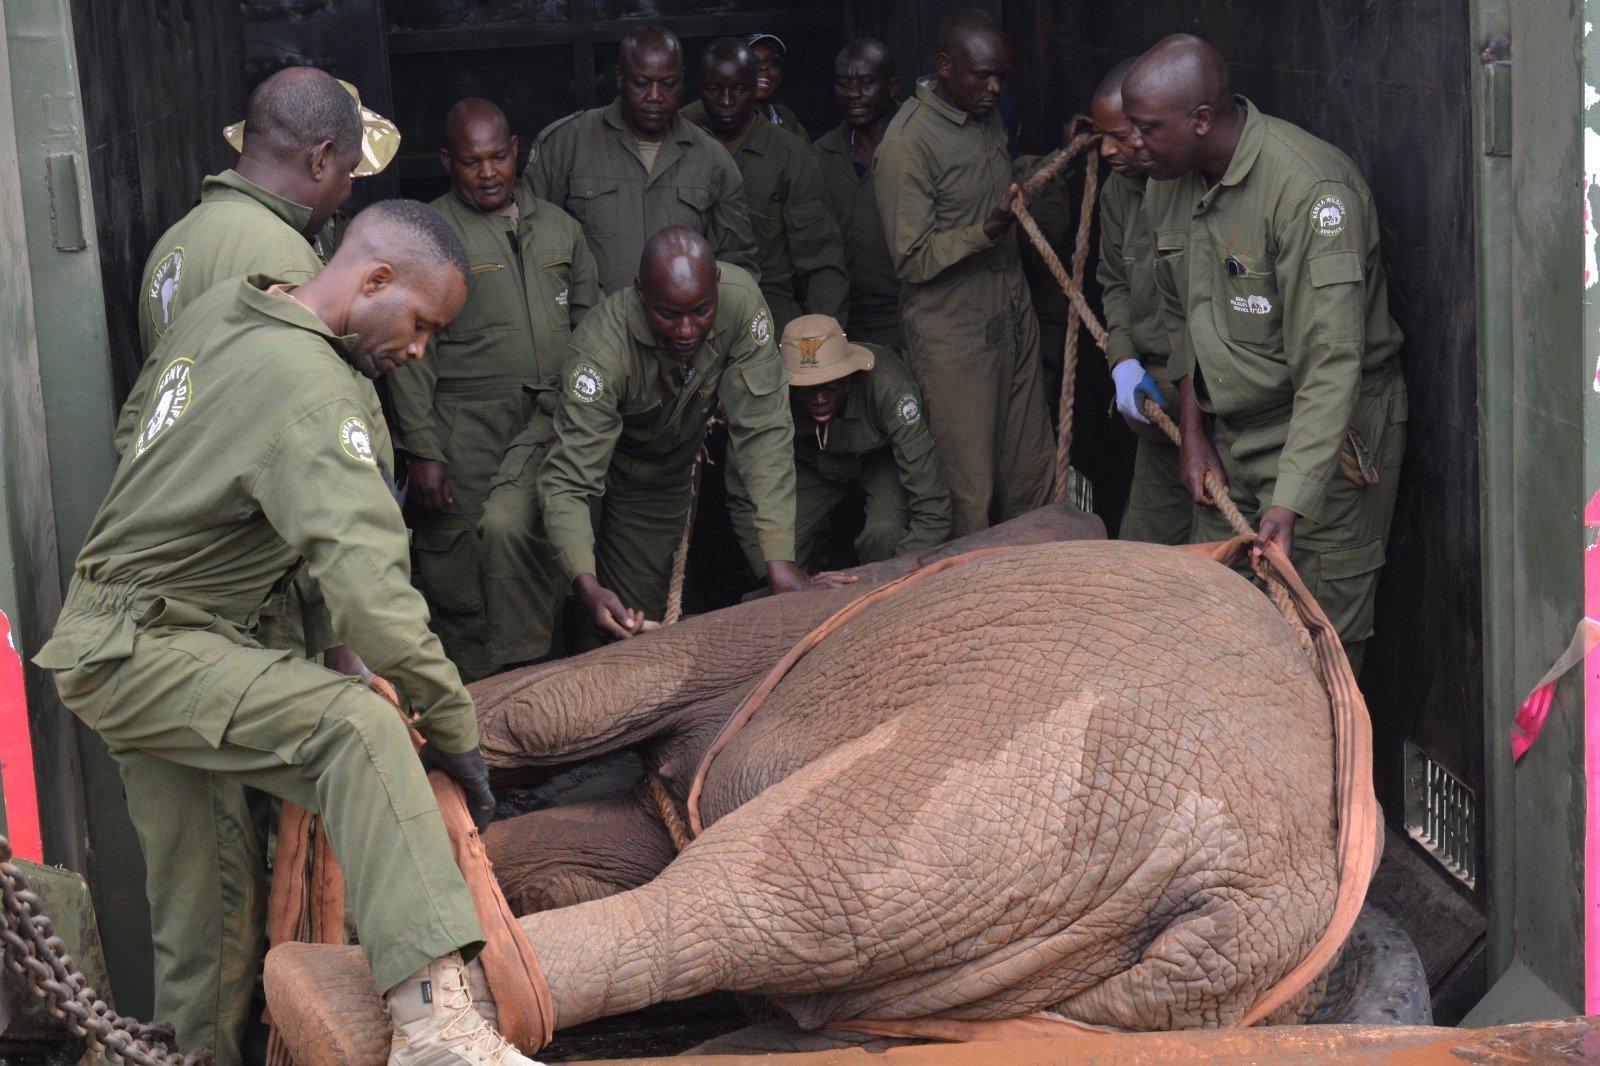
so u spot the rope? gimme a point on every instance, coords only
(1078, 310)
(680, 555)
(670, 818)
(36, 954)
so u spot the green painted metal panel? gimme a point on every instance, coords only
(58, 446)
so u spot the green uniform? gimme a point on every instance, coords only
(256, 460)
(874, 287)
(239, 228)
(878, 443)
(1276, 297)
(778, 115)
(589, 165)
(972, 339)
(603, 487)
(1160, 510)
(798, 247)
(532, 280)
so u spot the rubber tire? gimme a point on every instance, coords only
(1378, 979)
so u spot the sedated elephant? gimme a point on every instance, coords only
(1098, 780)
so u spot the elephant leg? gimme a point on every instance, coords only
(578, 852)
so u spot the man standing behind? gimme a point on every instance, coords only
(943, 178)
(301, 145)
(1159, 509)
(456, 411)
(770, 52)
(1267, 258)
(865, 88)
(797, 244)
(257, 460)
(634, 167)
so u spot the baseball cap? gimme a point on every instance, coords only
(380, 138)
(814, 351)
(777, 42)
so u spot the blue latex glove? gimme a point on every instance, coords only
(1134, 384)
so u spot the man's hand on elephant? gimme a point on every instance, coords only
(342, 659)
(1277, 527)
(1134, 386)
(1001, 216)
(468, 770)
(606, 608)
(429, 484)
(785, 576)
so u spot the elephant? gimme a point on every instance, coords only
(1096, 782)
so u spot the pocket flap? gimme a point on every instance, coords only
(695, 197)
(1353, 561)
(587, 188)
(436, 539)
(86, 639)
(1335, 268)
(916, 447)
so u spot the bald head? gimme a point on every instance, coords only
(678, 285)
(650, 79)
(974, 60)
(1184, 69)
(646, 43)
(480, 154)
(302, 138)
(399, 276)
(1110, 87)
(868, 50)
(298, 108)
(728, 87)
(1178, 98)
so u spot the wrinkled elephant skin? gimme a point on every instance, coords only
(1082, 777)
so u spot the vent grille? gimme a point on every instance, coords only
(1079, 492)
(1442, 814)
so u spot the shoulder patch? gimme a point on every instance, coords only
(1327, 215)
(761, 327)
(164, 281)
(584, 383)
(909, 410)
(356, 441)
(173, 392)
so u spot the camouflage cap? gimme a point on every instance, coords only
(815, 351)
(380, 138)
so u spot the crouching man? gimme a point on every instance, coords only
(859, 427)
(254, 459)
(594, 498)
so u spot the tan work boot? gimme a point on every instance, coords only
(435, 1023)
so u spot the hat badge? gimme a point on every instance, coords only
(808, 350)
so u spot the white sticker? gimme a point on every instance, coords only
(909, 409)
(761, 327)
(1251, 305)
(174, 389)
(585, 383)
(356, 441)
(163, 292)
(1327, 214)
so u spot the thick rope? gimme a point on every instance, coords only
(671, 820)
(1078, 310)
(680, 555)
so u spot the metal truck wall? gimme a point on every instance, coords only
(1389, 84)
(160, 79)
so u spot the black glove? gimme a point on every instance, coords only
(470, 772)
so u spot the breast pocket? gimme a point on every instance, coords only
(493, 294)
(1172, 263)
(553, 292)
(693, 204)
(596, 203)
(1247, 292)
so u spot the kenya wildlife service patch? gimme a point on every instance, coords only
(164, 289)
(173, 391)
(1327, 214)
(356, 441)
(585, 383)
(761, 327)
(909, 409)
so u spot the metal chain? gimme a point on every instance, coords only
(37, 955)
